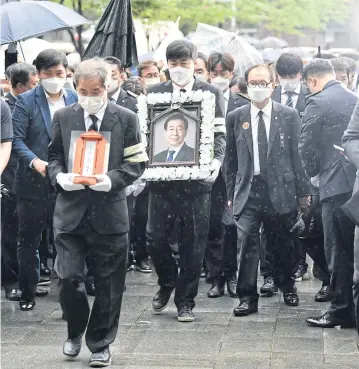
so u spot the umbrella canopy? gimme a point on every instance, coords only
(209, 39)
(115, 34)
(28, 19)
(272, 43)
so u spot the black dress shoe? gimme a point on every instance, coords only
(203, 273)
(100, 359)
(291, 298)
(232, 286)
(323, 294)
(269, 288)
(90, 286)
(72, 346)
(45, 270)
(13, 295)
(245, 308)
(144, 266)
(325, 321)
(161, 299)
(217, 289)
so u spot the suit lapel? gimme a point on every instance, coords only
(122, 98)
(277, 94)
(44, 108)
(109, 119)
(247, 128)
(274, 125)
(78, 119)
(181, 154)
(69, 99)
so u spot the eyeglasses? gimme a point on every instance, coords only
(260, 84)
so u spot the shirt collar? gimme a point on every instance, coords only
(188, 87)
(63, 93)
(267, 110)
(116, 95)
(226, 94)
(100, 114)
(176, 149)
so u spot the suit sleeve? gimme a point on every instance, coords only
(134, 157)
(350, 140)
(219, 128)
(301, 179)
(231, 161)
(21, 122)
(57, 163)
(310, 138)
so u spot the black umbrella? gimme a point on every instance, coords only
(115, 34)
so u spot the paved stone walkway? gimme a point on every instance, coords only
(277, 337)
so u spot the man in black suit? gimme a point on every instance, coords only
(93, 218)
(265, 179)
(188, 200)
(175, 130)
(326, 116)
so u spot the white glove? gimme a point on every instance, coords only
(129, 190)
(66, 181)
(315, 181)
(139, 187)
(215, 167)
(104, 184)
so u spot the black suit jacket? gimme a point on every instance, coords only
(304, 92)
(127, 101)
(326, 117)
(235, 101)
(185, 154)
(219, 134)
(108, 210)
(287, 180)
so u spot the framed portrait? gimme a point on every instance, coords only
(178, 133)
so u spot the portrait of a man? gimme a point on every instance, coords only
(175, 132)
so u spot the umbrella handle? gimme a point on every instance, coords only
(22, 52)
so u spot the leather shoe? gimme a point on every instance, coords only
(269, 288)
(90, 286)
(72, 346)
(13, 295)
(325, 321)
(291, 299)
(45, 270)
(144, 266)
(217, 289)
(323, 294)
(245, 308)
(161, 299)
(232, 285)
(100, 359)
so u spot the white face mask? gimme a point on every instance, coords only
(152, 81)
(201, 77)
(69, 84)
(221, 83)
(114, 83)
(91, 104)
(258, 95)
(289, 84)
(181, 76)
(53, 85)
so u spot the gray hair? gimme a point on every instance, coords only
(91, 68)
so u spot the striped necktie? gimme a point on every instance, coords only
(290, 99)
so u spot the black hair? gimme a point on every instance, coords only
(167, 74)
(134, 85)
(265, 66)
(176, 116)
(114, 61)
(181, 49)
(8, 71)
(225, 60)
(204, 58)
(242, 85)
(351, 62)
(325, 56)
(234, 81)
(146, 64)
(353, 55)
(50, 58)
(317, 67)
(340, 65)
(289, 65)
(21, 73)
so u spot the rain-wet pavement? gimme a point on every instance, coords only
(277, 337)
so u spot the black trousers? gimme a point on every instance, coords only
(259, 210)
(33, 215)
(339, 252)
(229, 243)
(110, 254)
(193, 211)
(356, 276)
(138, 226)
(214, 249)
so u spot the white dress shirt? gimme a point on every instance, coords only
(100, 114)
(295, 95)
(226, 99)
(54, 106)
(176, 151)
(267, 116)
(115, 96)
(177, 89)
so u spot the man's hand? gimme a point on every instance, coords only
(305, 201)
(65, 180)
(215, 167)
(139, 187)
(40, 166)
(229, 203)
(103, 184)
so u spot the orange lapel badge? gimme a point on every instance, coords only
(245, 125)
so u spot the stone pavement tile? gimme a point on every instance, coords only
(7, 306)
(234, 345)
(159, 367)
(173, 325)
(141, 290)
(25, 318)
(135, 303)
(303, 358)
(299, 344)
(250, 329)
(343, 359)
(14, 334)
(248, 363)
(297, 313)
(338, 333)
(340, 346)
(288, 329)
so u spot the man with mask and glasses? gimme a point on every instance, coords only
(149, 71)
(188, 200)
(93, 218)
(32, 118)
(266, 183)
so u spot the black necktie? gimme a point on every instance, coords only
(93, 126)
(290, 99)
(262, 145)
(183, 90)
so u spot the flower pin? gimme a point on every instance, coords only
(245, 125)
